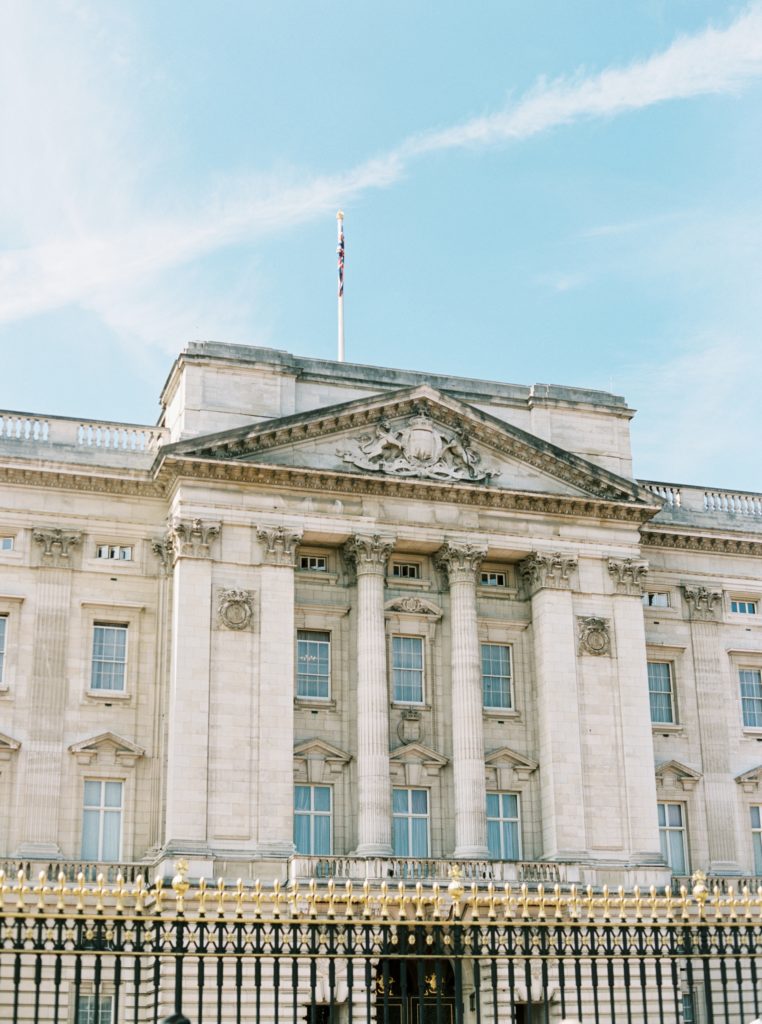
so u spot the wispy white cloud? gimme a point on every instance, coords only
(70, 156)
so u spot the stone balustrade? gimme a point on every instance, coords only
(72, 869)
(700, 499)
(27, 428)
(410, 869)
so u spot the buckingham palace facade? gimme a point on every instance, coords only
(337, 621)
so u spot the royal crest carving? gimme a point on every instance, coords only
(236, 608)
(420, 448)
(594, 636)
(409, 727)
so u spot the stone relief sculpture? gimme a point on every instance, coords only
(419, 448)
(594, 635)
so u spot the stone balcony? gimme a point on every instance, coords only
(428, 870)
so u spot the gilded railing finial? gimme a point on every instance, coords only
(455, 888)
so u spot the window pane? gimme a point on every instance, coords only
(757, 841)
(674, 815)
(90, 829)
(322, 798)
(407, 668)
(399, 801)
(755, 820)
(302, 833)
(112, 835)
(677, 852)
(313, 661)
(510, 841)
(420, 837)
(662, 814)
(493, 805)
(496, 675)
(510, 805)
(113, 797)
(493, 840)
(301, 798)
(322, 833)
(420, 801)
(92, 794)
(399, 837)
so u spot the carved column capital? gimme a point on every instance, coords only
(191, 538)
(703, 603)
(628, 575)
(279, 544)
(164, 549)
(459, 563)
(57, 545)
(540, 570)
(368, 554)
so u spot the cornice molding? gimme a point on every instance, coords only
(700, 542)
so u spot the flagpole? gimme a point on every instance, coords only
(340, 253)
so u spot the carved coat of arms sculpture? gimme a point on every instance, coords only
(419, 448)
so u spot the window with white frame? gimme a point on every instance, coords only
(410, 822)
(656, 599)
(313, 663)
(743, 607)
(496, 676)
(660, 692)
(115, 552)
(313, 563)
(102, 820)
(109, 657)
(6, 543)
(756, 838)
(492, 578)
(312, 820)
(750, 681)
(3, 635)
(407, 669)
(95, 1010)
(406, 570)
(672, 837)
(503, 826)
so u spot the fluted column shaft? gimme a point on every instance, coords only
(461, 565)
(369, 556)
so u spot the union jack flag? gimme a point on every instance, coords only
(340, 255)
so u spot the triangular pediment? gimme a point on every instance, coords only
(749, 781)
(414, 763)
(106, 745)
(319, 749)
(317, 761)
(414, 435)
(418, 752)
(673, 774)
(504, 757)
(8, 746)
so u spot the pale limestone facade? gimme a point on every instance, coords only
(281, 495)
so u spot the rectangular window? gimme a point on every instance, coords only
(503, 826)
(656, 599)
(6, 543)
(756, 838)
(313, 664)
(743, 607)
(672, 837)
(312, 820)
(407, 669)
(410, 822)
(496, 675)
(751, 696)
(102, 820)
(96, 1010)
(313, 563)
(114, 551)
(488, 578)
(406, 570)
(660, 692)
(3, 631)
(109, 657)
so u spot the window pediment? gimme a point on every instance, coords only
(506, 767)
(674, 775)
(749, 781)
(316, 761)
(8, 746)
(106, 748)
(414, 762)
(415, 606)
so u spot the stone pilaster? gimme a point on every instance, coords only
(720, 802)
(369, 555)
(41, 769)
(189, 543)
(547, 580)
(461, 563)
(275, 777)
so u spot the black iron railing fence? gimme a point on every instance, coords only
(129, 954)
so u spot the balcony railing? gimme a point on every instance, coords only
(702, 499)
(413, 869)
(72, 869)
(722, 882)
(26, 428)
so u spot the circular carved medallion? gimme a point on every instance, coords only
(235, 609)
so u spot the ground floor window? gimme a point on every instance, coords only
(672, 837)
(503, 826)
(312, 820)
(410, 822)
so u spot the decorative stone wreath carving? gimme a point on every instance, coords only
(413, 606)
(419, 448)
(593, 636)
(235, 609)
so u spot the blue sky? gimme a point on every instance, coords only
(534, 192)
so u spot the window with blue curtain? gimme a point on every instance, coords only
(312, 820)
(102, 820)
(503, 826)
(410, 822)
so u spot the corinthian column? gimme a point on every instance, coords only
(461, 564)
(369, 556)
